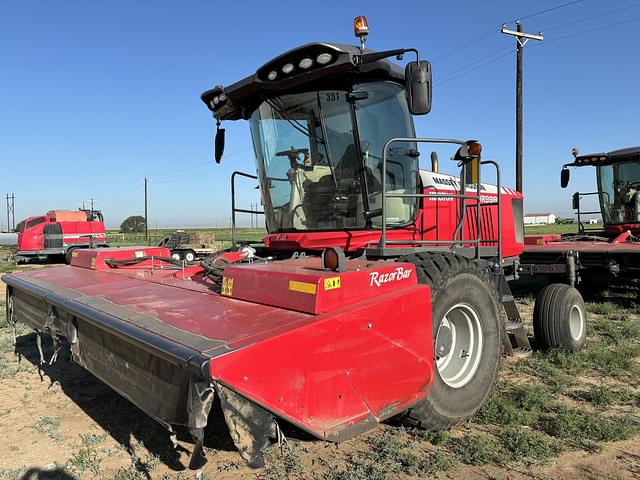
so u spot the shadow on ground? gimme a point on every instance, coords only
(127, 424)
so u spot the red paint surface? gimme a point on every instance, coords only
(269, 283)
(374, 358)
(95, 258)
(436, 220)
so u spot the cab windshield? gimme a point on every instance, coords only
(619, 187)
(319, 157)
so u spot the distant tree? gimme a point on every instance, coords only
(133, 224)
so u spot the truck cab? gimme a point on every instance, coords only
(58, 233)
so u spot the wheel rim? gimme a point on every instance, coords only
(175, 256)
(576, 322)
(458, 345)
(189, 257)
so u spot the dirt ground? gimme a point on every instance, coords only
(61, 422)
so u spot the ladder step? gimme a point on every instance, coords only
(512, 324)
(507, 298)
(521, 352)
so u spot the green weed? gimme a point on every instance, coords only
(139, 469)
(12, 473)
(85, 460)
(516, 405)
(281, 466)
(477, 450)
(358, 471)
(91, 439)
(49, 426)
(576, 424)
(524, 443)
(602, 308)
(434, 438)
(604, 395)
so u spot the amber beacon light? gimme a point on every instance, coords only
(361, 29)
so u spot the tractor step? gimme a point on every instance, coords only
(512, 324)
(507, 298)
(522, 352)
(516, 340)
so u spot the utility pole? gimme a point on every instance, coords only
(146, 222)
(521, 40)
(11, 212)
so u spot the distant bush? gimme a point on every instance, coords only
(133, 224)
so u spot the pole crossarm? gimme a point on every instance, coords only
(523, 35)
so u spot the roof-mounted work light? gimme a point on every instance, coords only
(361, 29)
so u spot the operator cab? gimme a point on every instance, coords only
(618, 176)
(320, 116)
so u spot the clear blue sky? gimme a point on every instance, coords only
(96, 95)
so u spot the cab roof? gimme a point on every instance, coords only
(244, 96)
(622, 155)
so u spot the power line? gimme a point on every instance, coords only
(593, 17)
(463, 45)
(468, 43)
(469, 70)
(479, 60)
(546, 10)
(465, 70)
(584, 32)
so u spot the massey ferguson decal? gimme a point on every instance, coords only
(400, 273)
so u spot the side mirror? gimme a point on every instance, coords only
(575, 204)
(564, 177)
(418, 87)
(219, 144)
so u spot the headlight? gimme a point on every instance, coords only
(272, 75)
(305, 63)
(324, 58)
(287, 68)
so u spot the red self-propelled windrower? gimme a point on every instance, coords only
(381, 288)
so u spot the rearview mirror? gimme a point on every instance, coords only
(418, 87)
(564, 177)
(576, 201)
(219, 144)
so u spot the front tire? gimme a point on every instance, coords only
(468, 339)
(189, 256)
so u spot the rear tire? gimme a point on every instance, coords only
(68, 255)
(176, 255)
(560, 318)
(468, 333)
(189, 256)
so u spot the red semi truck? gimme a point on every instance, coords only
(59, 233)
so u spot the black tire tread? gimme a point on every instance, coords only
(546, 316)
(434, 269)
